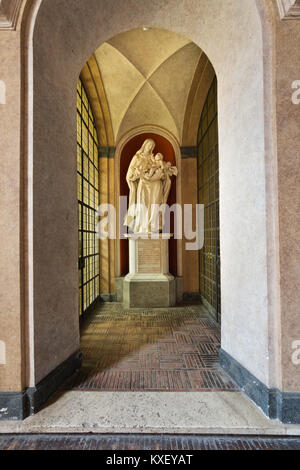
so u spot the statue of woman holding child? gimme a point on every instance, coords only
(148, 178)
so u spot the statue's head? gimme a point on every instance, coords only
(147, 147)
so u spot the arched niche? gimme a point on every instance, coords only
(124, 153)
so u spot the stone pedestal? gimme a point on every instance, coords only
(149, 283)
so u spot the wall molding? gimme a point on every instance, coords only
(274, 403)
(289, 9)
(106, 152)
(192, 297)
(189, 152)
(14, 406)
(93, 84)
(9, 13)
(109, 297)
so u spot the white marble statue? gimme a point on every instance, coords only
(148, 178)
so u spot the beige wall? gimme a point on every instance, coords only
(11, 302)
(288, 132)
(251, 312)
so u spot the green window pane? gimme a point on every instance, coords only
(88, 196)
(208, 194)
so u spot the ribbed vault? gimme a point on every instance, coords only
(148, 77)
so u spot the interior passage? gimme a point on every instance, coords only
(168, 349)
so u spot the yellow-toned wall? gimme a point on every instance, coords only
(190, 264)
(107, 247)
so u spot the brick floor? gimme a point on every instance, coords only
(145, 442)
(174, 349)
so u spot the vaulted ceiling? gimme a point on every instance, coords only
(147, 76)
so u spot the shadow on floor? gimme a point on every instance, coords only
(167, 349)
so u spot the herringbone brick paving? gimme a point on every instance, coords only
(145, 442)
(174, 349)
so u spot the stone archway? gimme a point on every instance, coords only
(55, 58)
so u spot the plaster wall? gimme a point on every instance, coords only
(65, 36)
(288, 144)
(11, 306)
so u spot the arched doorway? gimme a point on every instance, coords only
(51, 82)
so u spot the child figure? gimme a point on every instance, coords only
(157, 163)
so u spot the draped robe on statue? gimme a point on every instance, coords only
(148, 191)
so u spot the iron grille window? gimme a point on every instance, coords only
(88, 201)
(208, 194)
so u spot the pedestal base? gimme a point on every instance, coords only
(147, 291)
(149, 283)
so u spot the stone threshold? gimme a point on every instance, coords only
(213, 413)
(157, 442)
